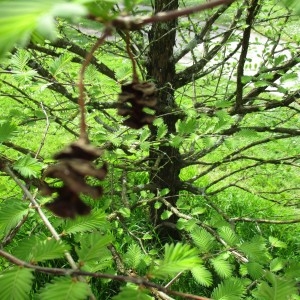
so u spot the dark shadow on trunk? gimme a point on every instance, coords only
(165, 160)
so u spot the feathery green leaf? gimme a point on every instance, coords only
(221, 266)
(65, 288)
(39, 248)
(277, 288)
(178, 258)
(96, 220)
(28, 166)
(15, 283)
(229, 289)
(255, 270)
(93, 246)
(228, 235)
(256, 249)
(11, 213)
(133, 293)
(202, 239)
(202, 275)
(7, 131)
(133, 256)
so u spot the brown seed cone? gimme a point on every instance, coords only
(132, 101)
(74, 165)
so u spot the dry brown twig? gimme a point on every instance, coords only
(142, 282)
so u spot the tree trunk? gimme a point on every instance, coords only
(166, 159)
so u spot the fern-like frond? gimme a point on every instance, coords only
(133, 256)
(228, 235)
(28, 166)
(19, 18)
(59, 64)
(255, 270)
(91, 74)
(275, 242)
(7, 131)
(178, 258)
(39, 248)
(202, 239)
(277, 289)
(133, 293)
(293, 269)
(229, 289)
(20, 59)
(222, 266)
(93, 246)
(15, 283)
(277, 264)
(11, 213)
(96, 220)
(202, 275)
(256, 249)
(65, 288)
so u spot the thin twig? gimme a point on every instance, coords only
(176, 212)
(12, 233)
(88, 58)
(243, 219)
(135, 23)
(173, 280)
(40, 212)
(47, 223)
(70, 272)
(45, 132)
(135, 77)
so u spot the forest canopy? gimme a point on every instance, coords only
(149, 149)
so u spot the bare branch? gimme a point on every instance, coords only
(71, 272)
(133, 23)
(243, 219)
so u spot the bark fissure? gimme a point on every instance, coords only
(161, 69)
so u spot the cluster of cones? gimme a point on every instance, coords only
(133, 100)
(75, 162)
(73, 166)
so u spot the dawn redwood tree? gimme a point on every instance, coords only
(206, 193)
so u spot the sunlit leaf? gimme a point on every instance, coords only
(178, 257)
(65, 288)
(15, 283)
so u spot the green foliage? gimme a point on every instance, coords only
(255, 270)
(58, 65)
(202, 239)
(28, 166)
(15, 283)
(178, 257)
(18, 20)
(276, 288)
(213, 158)
(228, 235)
(38, 248)
(7, 131)
(133, 292)
(292, 4)
(277, 264)
(133, 257)
(229, 289)
(276, 242)
(97, 220)
(65, 288)
(256, 249)
(202, 275)
(222, 266)
(188, 126)
(93, 246)
(11, 213)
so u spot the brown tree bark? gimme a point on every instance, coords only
(166, 159)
